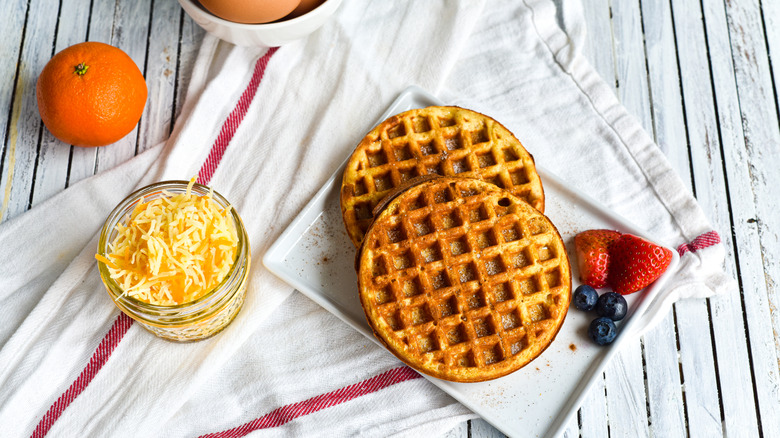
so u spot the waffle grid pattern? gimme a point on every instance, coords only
(464, 281)
(445, 141)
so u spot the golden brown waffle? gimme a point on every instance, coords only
(463, 281)
(446, 141)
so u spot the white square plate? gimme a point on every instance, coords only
(315, 255)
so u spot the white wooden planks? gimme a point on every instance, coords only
(190, 37)
(592, 416)
(679, 394)
(598, 49)
(160, 73)
(624, 376)
(703, 406)
(770, 14)
(759, 117)
(14, 14)
(25, 124)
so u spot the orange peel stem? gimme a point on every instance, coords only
(81, 69)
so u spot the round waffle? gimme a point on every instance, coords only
(462, 280)
(445, 141)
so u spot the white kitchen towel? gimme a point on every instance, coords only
(266, 128)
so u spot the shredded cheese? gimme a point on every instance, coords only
(173, 249)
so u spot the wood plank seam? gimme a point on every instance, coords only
(694, 188)
(681, 371)
(12, 105)
(682, 98)
(653, 133)
(643, 355)
(42, 127)
(769, 52)
(145, 69)
(715, 361)
(612, 47)
(735, 240)
(176, 78)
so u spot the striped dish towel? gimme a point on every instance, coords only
(266, 128)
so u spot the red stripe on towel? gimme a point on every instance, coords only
(234, 120)
(703, 241)
(96, 362)
(123, 322)
(285, 414)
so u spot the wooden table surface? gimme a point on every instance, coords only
(698, 75)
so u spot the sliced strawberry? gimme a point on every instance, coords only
(636, 263)
(593, 257)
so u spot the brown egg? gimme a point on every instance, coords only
(304, 7)
(250, 11)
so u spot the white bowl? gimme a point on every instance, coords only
(272, 34)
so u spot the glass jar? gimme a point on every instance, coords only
(190, 321)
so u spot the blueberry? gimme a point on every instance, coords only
(612, 305)
(585, 297)
(602, 331)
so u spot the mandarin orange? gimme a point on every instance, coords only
(91, 94)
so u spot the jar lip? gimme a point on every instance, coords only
(123, 207)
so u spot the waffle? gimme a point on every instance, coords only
(446, 141)
(462, 280)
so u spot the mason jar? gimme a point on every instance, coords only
(200, 318)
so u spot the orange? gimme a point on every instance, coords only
(91, 94)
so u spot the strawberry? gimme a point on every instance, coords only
(593, 255)
(636, 263)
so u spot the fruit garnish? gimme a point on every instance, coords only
(612, 305)
(593, 255)
(602, 330)
(585, 297)
(636, 263)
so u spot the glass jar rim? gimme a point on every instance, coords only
(120, 212)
